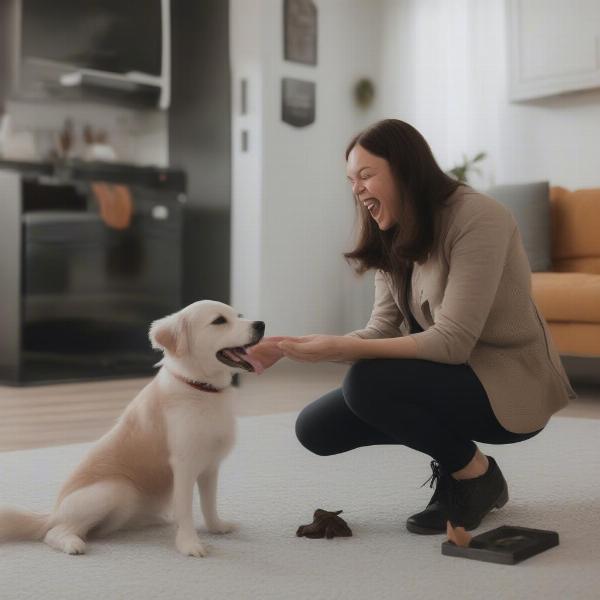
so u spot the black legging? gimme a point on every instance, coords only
(435, 408)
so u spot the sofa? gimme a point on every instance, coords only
(568, 295)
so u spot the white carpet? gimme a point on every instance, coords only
(271, 484)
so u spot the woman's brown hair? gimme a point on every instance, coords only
(422, 190)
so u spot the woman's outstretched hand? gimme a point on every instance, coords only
(315, 348)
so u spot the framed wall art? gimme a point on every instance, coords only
(300, 31)
(297, 102)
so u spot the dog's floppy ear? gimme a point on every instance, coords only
(170, 333)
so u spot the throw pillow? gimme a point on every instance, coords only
(530, 205)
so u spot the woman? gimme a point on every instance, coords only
(455, 350)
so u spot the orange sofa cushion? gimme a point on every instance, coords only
(575, 218)
(576, 339)
(567, 297)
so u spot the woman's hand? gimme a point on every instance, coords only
(266, 351)
(315, 348)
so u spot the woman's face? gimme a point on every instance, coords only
(373, 185)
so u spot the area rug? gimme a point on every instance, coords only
(270, 484)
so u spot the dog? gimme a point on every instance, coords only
(173, 434)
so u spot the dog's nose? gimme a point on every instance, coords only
(259, 326)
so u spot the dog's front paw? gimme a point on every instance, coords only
(190, 547)
(222, 527)
(74, 545)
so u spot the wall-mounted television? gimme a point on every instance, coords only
(118, 44)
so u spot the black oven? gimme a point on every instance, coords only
(98, 259)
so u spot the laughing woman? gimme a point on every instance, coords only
(455, 351)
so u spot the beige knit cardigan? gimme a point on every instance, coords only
(472, 296)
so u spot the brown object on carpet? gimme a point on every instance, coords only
(325, 524)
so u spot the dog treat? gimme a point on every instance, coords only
(458, 535)
(325, 524)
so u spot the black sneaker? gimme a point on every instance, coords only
(469, 500)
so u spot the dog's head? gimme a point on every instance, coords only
(206, 339)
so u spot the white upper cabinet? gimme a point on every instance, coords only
(553, 45)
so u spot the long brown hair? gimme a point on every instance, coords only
(422, 190)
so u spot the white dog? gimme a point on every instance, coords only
(173, 434)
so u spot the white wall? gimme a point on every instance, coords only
(292, 207)
(426, 73)
(445, 71)
(555, 138)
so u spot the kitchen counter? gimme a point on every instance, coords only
(148, 176)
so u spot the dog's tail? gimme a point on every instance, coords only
(22, 525)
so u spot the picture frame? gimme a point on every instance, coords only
(300, 31)
(298, 100)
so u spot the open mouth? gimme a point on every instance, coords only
(373, 206)
(238, 358)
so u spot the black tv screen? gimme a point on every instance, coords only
(108, 35)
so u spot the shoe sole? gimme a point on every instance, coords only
(500, 502)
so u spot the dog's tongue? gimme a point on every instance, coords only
(256, 365)
(258, 368)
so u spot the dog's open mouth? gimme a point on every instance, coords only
(238, 357)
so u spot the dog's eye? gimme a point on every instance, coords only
(219, 321)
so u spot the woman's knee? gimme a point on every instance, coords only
(358, 385)
(309, 433)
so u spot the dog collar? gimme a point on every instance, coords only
(199, 385)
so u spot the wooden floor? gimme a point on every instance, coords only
(51, 415)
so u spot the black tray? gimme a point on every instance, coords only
(506, 545)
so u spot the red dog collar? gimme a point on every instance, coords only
(199, 385)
